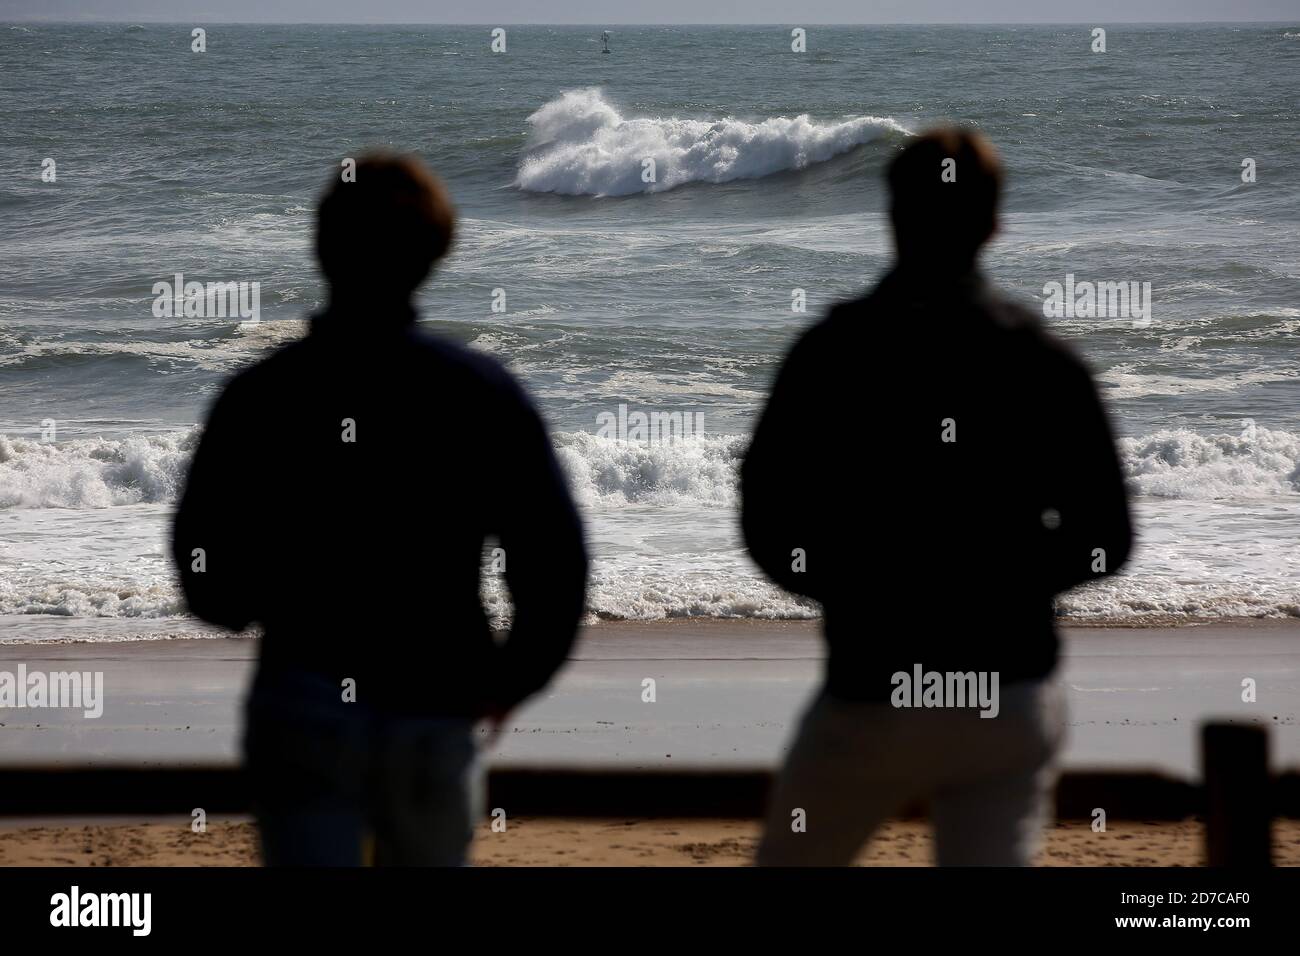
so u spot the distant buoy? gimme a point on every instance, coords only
(604, 38)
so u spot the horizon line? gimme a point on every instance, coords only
(91, 21)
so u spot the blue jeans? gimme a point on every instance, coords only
(340, 784)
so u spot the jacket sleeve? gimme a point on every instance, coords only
(210, 541)
(545, 557)
(1095, 532)
(779, 488)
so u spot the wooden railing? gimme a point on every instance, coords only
(1237, 800)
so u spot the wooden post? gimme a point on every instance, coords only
(1238, 799)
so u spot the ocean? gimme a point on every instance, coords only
(664, 296)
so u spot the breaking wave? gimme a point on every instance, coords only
(580, 145)
(605, 472)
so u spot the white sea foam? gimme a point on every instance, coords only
(88, 525)
(93, 472)
(701, 469)
(624, 590)
(1131, 597)
(1125, 381)
(63, 599)
(246, 341)
(1177, 463)
(580, 144)
(604, 472)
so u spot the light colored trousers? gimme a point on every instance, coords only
(853, 765)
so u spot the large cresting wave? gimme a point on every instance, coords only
(580, 145)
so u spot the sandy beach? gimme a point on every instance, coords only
(728, 694)
(560, 842)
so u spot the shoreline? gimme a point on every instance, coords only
(124, 631)
(729, 693)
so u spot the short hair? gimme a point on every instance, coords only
(386, 227)
(951, 214)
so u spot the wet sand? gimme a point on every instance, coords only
(727, 693)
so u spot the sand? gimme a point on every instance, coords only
(728, 693)
(559, 842)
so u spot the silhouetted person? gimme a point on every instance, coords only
(933, 467)
(341, 497)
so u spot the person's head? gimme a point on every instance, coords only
(944, 197)
(379, 233)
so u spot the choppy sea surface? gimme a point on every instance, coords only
(670, 296)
